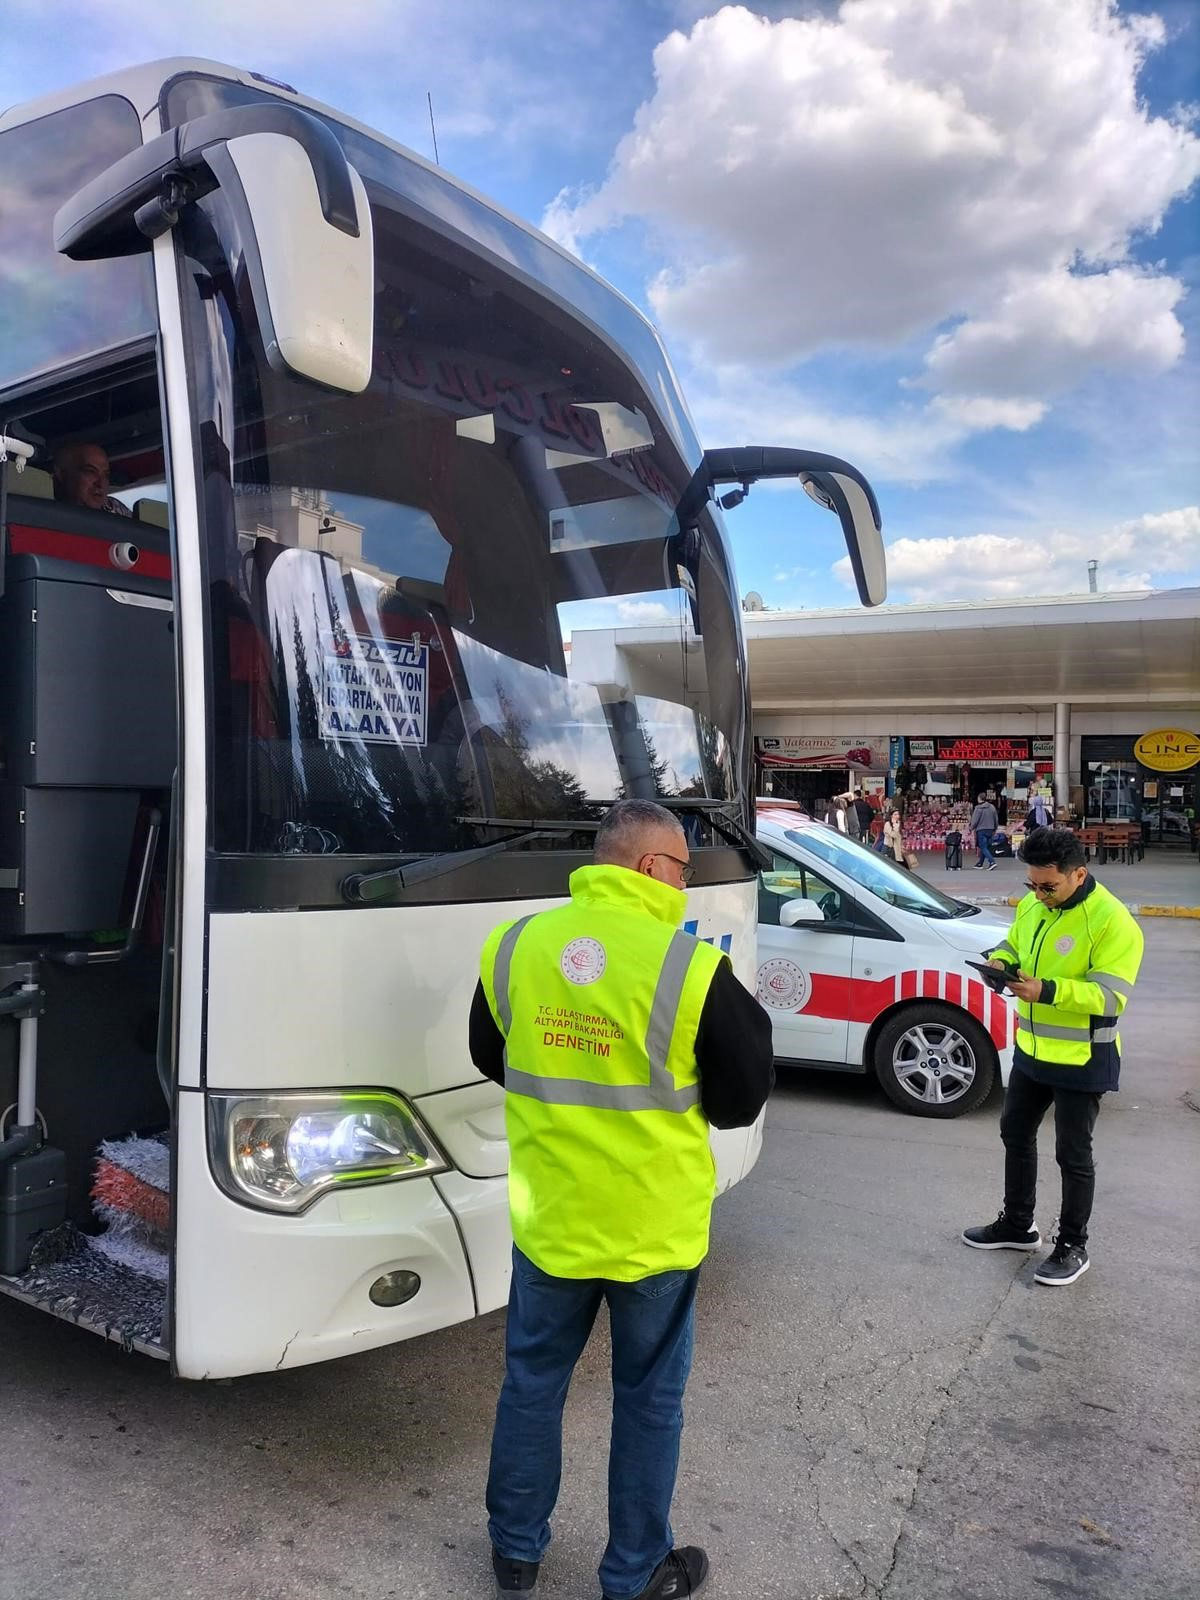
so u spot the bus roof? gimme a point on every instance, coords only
(142, 85)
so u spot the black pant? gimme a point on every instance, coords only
(1075, 1111)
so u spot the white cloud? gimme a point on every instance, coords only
(1150, 551)
(910, 445)
(642, 611)
(974, 413)
(865, 178)
(1047, 332)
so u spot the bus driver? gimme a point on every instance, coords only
(81, 478)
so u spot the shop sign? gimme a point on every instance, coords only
(920, 749)
(1042, 749)
(999, 751)
(814, 751)
(1168, 750)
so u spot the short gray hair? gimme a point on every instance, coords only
(620, 837)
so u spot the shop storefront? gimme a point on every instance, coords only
(812, 767)
(942, 778)
(962, 767)
(1152, 779)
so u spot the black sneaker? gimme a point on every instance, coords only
(1002, 1235)
(681, 1573)
(1064, 1264)
(514, 1577)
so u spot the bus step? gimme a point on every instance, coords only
(72, 1279)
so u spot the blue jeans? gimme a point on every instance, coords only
(983, 841)
(549, 1320)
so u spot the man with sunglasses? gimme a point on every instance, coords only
(1073, 954)
(620, 1040)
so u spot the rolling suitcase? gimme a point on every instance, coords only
(954, 852)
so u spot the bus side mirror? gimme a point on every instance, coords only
(302, 214)
(830, 481)
(313, 284)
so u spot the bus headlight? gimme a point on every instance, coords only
(280, 1152)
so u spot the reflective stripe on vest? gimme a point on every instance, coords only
(1055, 1030)
(660, 1094)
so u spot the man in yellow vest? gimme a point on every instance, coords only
(1073, 952)
(620, 1040)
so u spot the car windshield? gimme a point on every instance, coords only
(875, 873)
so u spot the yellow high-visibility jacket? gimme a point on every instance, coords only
(610, 1170)
(1087, 953)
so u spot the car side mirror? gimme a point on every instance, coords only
(795, 911)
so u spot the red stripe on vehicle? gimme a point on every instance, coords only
(847, 999)
(869, 998)
(908, 986)
(1010, 1020)
(977, 1000)
(931, 985)
(78, 547)
(954, 988)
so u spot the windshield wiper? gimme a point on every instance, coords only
(364, 888)
(719, 818)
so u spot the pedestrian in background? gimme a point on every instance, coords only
(983, 824)
(848, 813)
(620, 1041)
(893, 837)
(865, 812)
(1076, 952)
(1039, 812)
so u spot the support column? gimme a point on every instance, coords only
(1062, 753)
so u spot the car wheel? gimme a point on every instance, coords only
(934, 1061)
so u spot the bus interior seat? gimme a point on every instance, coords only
(34, 484)
(152, 512)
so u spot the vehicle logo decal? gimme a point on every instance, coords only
(783, 985)
(583, 961)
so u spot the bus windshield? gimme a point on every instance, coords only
(395, 577)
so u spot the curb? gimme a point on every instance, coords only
(1192, 912)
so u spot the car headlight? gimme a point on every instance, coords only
(280, 1152)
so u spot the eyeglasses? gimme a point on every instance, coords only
(1043, 888)
(686, 869)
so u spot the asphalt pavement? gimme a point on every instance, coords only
(874, 1411)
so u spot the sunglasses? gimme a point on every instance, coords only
(686, 869)
(1044, 888)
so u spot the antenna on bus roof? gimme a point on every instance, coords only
(437, 160)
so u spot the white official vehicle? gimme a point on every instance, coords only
(342, 455)
(862, 967)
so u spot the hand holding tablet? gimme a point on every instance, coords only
(997, 978)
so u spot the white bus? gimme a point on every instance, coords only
(314, 461)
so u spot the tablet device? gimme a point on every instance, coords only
(996, 980)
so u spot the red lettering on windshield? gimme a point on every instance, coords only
(480, 389)
(552, 416)
(410, 368)
(450, 383)
(515, 400)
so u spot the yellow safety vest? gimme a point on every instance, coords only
(610, 1170)
(1092, 952)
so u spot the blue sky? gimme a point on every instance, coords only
(952, 240)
